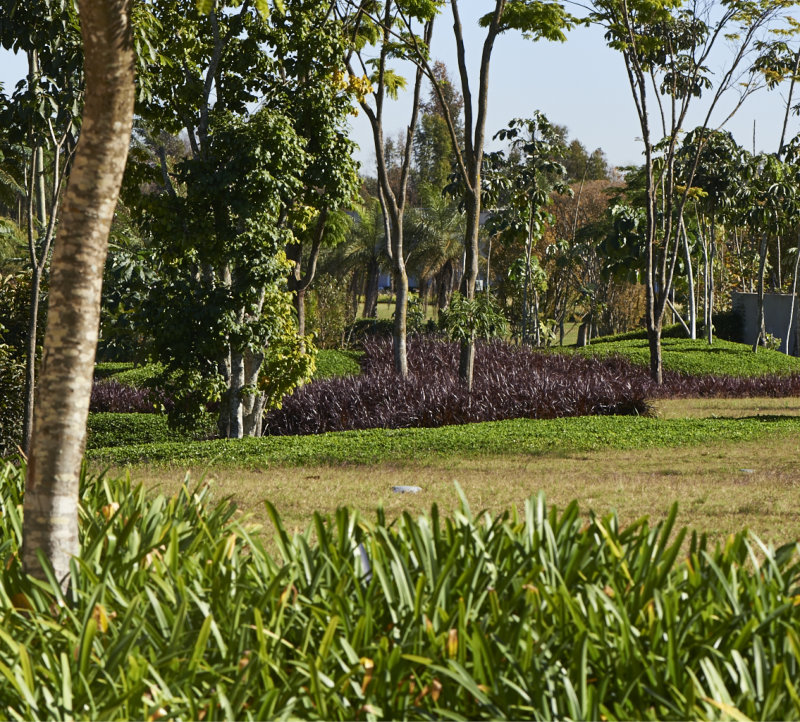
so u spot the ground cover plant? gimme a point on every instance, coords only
(123, 429)
(510, 382)
(513, 436)
(177, 610)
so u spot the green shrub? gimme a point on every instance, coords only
(332, 363)
(109, 430)
(176, 610)
(12, 398)
(364, 327)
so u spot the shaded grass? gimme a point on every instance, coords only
(515, 436)
(127, 374)
(697, 358)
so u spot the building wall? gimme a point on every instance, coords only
(777, 307)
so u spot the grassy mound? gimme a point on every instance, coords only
(177, 611)
(697, 358)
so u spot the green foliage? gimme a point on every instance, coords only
(334, 362)
(12, 395)
(328, 311)
(177, 610)
(129, 374)
(106, 430)
(697, 357)
(513, 437)
(289, 362)
(464, 319)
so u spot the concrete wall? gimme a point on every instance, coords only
(777, 307)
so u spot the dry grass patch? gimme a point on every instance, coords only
(709, 408)
(720, 489)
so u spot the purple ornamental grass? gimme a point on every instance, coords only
(112, 396)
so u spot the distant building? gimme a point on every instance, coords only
(777, 307)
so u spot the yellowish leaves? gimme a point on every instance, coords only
(452, 643)
(369, 667)
(102, 617)
(434, 689)
(109, 510)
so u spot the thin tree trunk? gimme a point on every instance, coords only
(794, 301)
(235, 408)
(401, 300)
(690, 281)
(50, 524)
(762, 261)
(371, 291)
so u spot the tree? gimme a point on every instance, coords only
(40, 122)
(537, 20)
(50, 525)
(389, 20)
(529, 177)
(255, 183)
(718, 163)
(666, 49)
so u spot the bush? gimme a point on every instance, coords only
(367, 328)
(177, 611)
(12, 398)
(127, 429)
(509, 382)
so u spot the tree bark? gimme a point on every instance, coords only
(51, 495)
(371, 291)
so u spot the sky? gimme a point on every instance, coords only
(581, 84)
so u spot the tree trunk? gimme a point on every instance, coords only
(711, 256)
(300, 308)
(654, 341)
(401, 301)
(371, 291)
(690, 282)
(794, 301)
(762, 261)
(30, 361)
(235, 407)
(466, 362)
(50, 522)
(252, 403)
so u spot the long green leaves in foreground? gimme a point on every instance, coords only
(177, 611)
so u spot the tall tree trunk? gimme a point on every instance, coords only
(466, 361)
(711, 257)
(371, 291)
(762, 261)
(252, 403)
(690, 282)
(794, 301)
(235, 406)
(401, 300)
(50, 522)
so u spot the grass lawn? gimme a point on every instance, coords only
(729, 464)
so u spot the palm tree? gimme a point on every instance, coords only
(363, 255)
(438, 228)
(51, 490)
